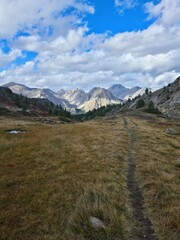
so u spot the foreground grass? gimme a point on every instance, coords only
(54, 178)
(158, 173)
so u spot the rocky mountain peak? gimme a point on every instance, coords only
(77, 98)
(98, 92)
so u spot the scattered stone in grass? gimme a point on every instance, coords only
(97, 223)
(15, 131)
(170, 131)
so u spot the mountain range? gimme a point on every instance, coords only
(12, 104)
(79, 100)
(17, 97)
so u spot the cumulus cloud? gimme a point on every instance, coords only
(122, 5)
(17, 15)
(9, 57)
(74, 58)
(166, 12)
(156, 39)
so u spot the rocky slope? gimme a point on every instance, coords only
(79, 99)
(98, 97)
(71, 100)
(14, 103)
(166, 99)
(38, 93)
(124, 93)
(135, 93)
(75, 97)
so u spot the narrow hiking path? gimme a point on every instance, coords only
(144, 229)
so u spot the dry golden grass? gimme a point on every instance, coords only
(53, 178)
(158, 173)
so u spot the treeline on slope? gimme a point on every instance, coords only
(57, 110)
(99, 112)
(144, 103)
(150, 107)
(29, 106)
(140, 103)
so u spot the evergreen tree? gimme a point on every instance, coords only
(17, 100)
(146, 91)
(167, 97)
(151, 108)
(140, 103)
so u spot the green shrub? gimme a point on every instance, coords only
(140, 103)
(152, 109)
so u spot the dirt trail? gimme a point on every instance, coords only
(144, 229)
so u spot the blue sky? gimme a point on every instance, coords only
(108, 18)
(70, 43)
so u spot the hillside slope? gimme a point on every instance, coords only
(38, 93)
(12, 103)
(166, 99)
(124, 93)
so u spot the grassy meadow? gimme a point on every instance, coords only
(158, 169)
(53, 178)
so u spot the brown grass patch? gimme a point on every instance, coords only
(158, 174)
(53, 178)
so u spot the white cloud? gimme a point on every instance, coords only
(73, 58)
(167, 12)
(156, 39)
(17, 15)
(65, 43)
(9, 57)
(122, 5)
